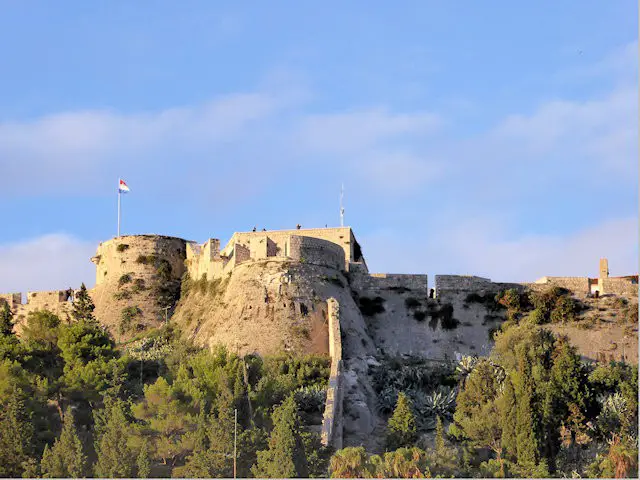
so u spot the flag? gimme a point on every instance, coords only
(122, 187)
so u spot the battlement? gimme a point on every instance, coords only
(328, 247)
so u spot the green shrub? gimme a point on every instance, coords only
(122, 295)
(122, 247)
(127, 316)
(564, 310)
(371, 306)
(419, 315)
(412, 302)
(124, 279)
(146, 259)
(163, 270)
(138, 285)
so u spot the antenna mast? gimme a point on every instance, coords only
(341, 207)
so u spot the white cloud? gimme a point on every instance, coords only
(49, 262)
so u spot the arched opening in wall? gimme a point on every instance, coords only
(432, 293)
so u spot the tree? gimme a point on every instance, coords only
(143, 462)
(401, 429)
(16, 436)
(477, 412)
(167, 421)
(83, 306)
(401, 463)
(66, 458)
(508, 413)
(6, 319)
(114, 457)
(350, 462)
(285, 457)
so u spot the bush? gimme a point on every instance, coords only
(419, 315)
(371, 306)
(122, 295)
(146, 259)
(122, 247)
(138, 285)
(126, 318)
(124, 279)
(565, 310)
(412, 302)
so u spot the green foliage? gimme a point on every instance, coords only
(6, 319)
(285, 457)
(350, 462)
(83, 306)
(122, 247)
(127, 316)
(401, 428)
(41, 330)
(16, 436)
(143, 462)
(444, 314)
(66, 458)
(146, 259)
(565, 310)
(122, 295)
(371, 306)
(124, 279)
(115, 458)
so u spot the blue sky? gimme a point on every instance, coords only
(489, 138)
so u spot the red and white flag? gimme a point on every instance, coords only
(122, 187)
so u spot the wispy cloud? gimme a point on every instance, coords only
(48, 262)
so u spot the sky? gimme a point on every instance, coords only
(495, 138)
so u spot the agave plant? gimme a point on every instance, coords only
(441, 402)
(311, 398)
(387, 399)
(465, 366)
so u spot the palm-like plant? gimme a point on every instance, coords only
(465, 366)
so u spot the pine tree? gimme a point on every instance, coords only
(66, 458)
(402, 424)
(114, 457)
(143, 461)
(6, 319)
(16, 436)
(285, 457)
(83, 306)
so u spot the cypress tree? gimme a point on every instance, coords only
(285, 457)
(508, 416)
(66, 458)
(143, 461)
(439, 441)
(6, 319)
(16, 436)
(526, 439)
(402, 424)
(115, 458)
(83, 306)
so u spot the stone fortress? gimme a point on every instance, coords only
(304, 290)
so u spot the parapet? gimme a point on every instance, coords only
(389, 281)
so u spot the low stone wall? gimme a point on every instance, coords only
(332, 419)
(578, 285)
(389, 281)
(467, 283)
(621, 286)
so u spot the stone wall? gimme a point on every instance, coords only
(121, 255)
(578, 285)
(12, 299)
(331, 433)
(627, 286)
(342, 236)
(243, 254)
(466, 283)
(316, 251)
(389, 281)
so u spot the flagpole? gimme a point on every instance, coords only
(118, 207)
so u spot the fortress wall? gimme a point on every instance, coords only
(46, 299)
(12, 299)
(316, 251)
(577, 285)
(467, 283)
(387, 281)
(242, 253)
(620, 286)
(113, 261)
(331, 433)
(342, 236)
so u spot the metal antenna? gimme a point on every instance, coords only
(341, 207)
